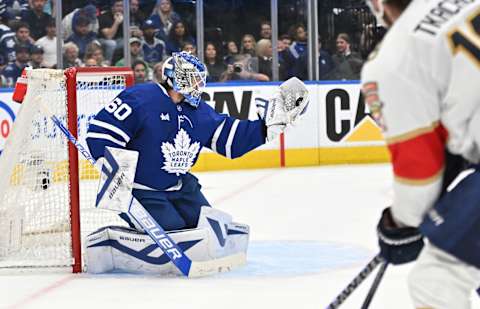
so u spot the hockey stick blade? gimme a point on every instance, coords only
(374, 287)
(355, 283)
(184, 264)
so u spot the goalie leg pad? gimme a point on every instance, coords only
(128, 250)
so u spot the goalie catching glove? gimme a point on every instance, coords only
(290, 101)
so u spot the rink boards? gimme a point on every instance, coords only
(336, 129)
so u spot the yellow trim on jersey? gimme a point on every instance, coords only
(412, 134)
(419, 182)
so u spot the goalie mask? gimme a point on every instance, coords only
(186, 74)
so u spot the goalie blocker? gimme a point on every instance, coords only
(114, 248)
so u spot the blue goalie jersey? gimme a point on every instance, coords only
(168, 136)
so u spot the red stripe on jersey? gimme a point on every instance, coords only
(421, 156)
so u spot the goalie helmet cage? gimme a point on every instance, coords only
(47, 196)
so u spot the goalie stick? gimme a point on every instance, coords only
(355, 283)
(186, 266)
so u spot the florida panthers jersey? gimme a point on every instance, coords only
(168, 136)
(422, 87)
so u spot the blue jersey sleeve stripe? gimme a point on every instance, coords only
(163, 89)
(106, 137)
(216, 135)
(231, 136)
(11, 34)
(112, 128)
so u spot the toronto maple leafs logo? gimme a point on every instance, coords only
(179, 157)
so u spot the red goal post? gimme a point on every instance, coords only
(46, 193)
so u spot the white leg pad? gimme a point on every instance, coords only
(441, 281)
(127, 250)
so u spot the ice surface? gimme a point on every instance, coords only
(312, 230)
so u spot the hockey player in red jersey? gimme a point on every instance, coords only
(421, 85)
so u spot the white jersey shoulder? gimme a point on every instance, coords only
(414, 65)
(421, 86)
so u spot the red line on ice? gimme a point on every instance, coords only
(42, 292)
(242, 189)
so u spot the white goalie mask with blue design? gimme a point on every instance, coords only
(187, 75)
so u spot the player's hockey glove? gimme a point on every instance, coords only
(398, 245)
(290, 101)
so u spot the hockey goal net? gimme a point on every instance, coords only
(47, 193)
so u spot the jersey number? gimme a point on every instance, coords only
(120, 110)
(460, 42)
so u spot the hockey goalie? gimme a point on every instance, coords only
(159, 129)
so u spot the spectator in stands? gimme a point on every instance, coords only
(94, 51)
(7, 37)
(13, 70)
(248, 45)
(164, 17)
(157, 72)
(265, 30)
(89, 11)
(284, 57)
(284, 42)
(299, 45)
(82, 35)
(36, 18)
(178, 36)
(135, 52)
(70, 6)
(90, 62)
(215, 67)
(139, 68)
(232, 51)
(111, 30)
(153, 47)
(70, 56)
(240, 70)
(22, 35)
(189, 47)
(369, 38)
(325, 65)
(15, 8)
(137, 17)
(49, 45)
(296, 49)
(348, 63)
(264, 55)
(36, 58)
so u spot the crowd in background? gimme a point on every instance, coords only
(93, 36)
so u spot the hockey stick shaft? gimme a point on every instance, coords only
(355, 283)
(138, 212)
(374, 287)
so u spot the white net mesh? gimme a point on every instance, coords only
(35, 229)
(94, 91)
